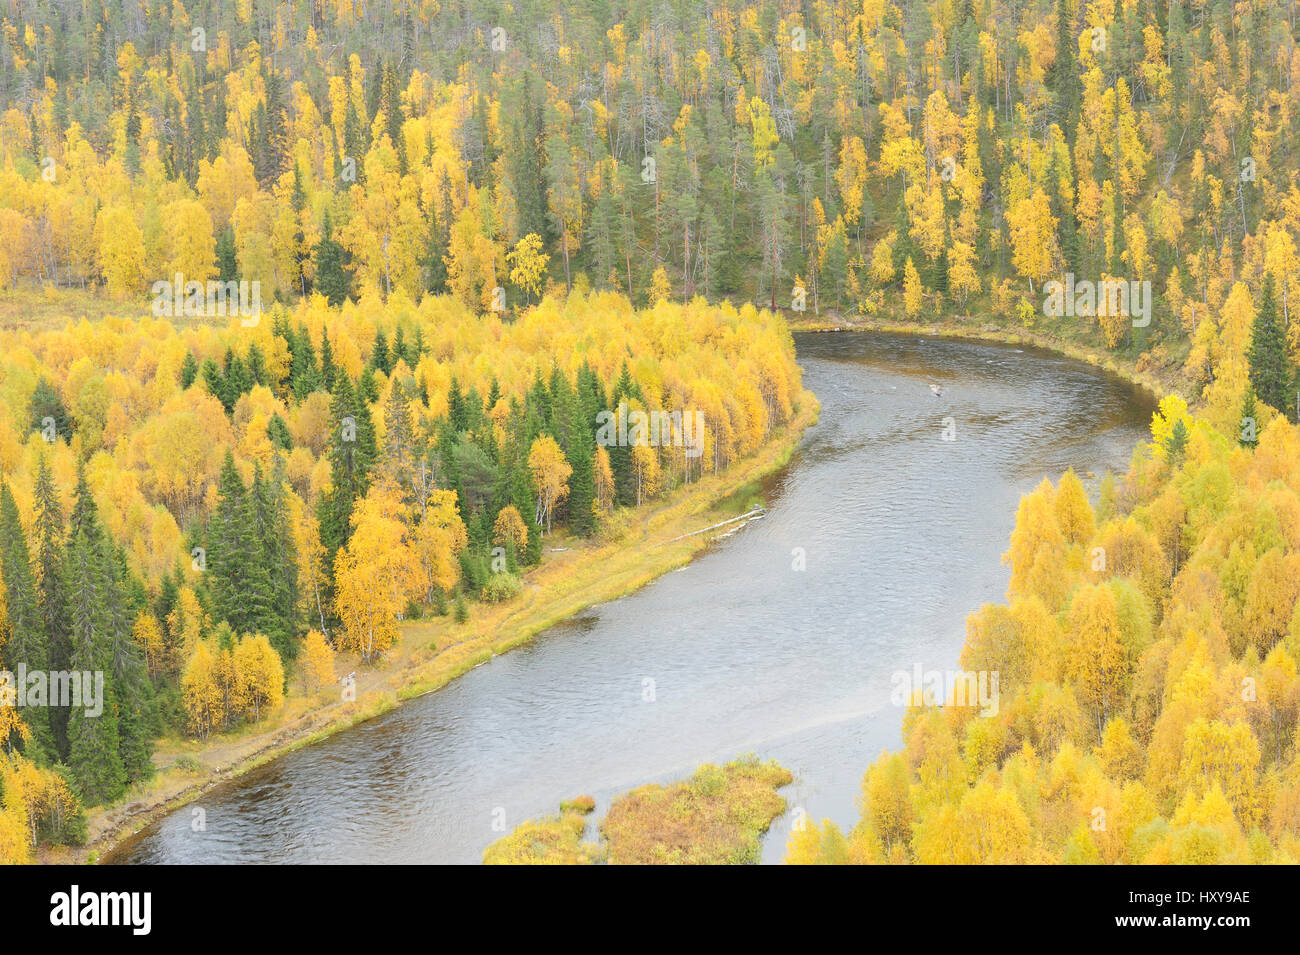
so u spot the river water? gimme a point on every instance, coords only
(899, 532)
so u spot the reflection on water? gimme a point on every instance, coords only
(902, 534)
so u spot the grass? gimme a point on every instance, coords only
(715, 818)
(48, 309)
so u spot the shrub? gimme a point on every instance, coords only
(501, 587)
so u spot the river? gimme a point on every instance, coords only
(899, 532)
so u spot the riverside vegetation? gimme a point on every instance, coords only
(714, 818)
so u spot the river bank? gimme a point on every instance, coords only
(1158, 385)
(573, 576)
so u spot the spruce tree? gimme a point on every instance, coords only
(582, 483)
(278, 433)
(94, 759)
(1270, 373)
(28, 644)
(352, 455)
(229, 549)
(379, 356)
(189, 370)
(1248, 433)
(327, 364)
(331, 274)
(258, 610)
(274, 565)
(137, 720)
(46, 407)
(227, 260)
(48, 536)
(1063, 76)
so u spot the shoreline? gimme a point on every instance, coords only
(1122, 368)
(433, 652)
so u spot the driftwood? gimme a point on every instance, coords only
(754, 512)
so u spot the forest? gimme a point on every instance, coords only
(475, 228)
(859, 158)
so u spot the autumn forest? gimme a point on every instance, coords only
(311, 313)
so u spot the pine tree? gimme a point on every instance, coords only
(1176, 443)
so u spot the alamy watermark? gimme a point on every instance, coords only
(178, 298)
(919, 687)
(1085, 297)
(61, 688)
(655, 429)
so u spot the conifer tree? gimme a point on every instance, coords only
(331, 275)
(1270, 374)
(93, 740)
(48, 534)
(28, 644)
(1248, 436)
(229, 547)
